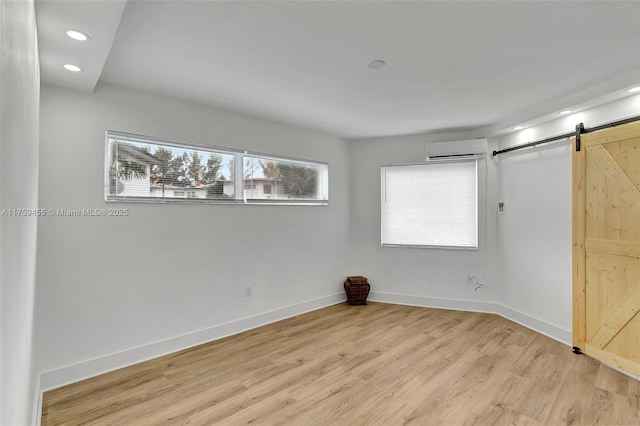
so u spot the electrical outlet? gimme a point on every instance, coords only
(248, 290)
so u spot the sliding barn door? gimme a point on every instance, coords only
(606, 246)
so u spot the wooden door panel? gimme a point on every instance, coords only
(623, 133)
(621, 248)
(616, 177)
(626, 344)
(614, 321)
(607, 246)
(613, 203)
(627, 153)
(610, 281)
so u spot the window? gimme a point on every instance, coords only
(430, 205)
(296, 181)
(144, 169)
(140, 168)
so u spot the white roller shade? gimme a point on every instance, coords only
(432, 205)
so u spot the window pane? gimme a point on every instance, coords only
(430, 205)
(144, 169)
(267, 178)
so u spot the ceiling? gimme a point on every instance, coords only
(450, 65)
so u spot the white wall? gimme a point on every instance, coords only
(103, 297)
(430, 277)
(19, 91)
(534, 233)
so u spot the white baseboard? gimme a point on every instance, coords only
(433, 302)
(540, 326)
(553, 331)
(93, 367)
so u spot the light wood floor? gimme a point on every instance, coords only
(378, 364)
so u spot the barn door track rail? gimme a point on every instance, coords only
(580, 130)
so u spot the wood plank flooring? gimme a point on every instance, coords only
(379, 364)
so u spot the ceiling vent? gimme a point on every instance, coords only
(473, 148)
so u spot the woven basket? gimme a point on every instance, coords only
(357, 289)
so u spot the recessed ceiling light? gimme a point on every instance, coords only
(78, 35)
(565, 112)
(518, 128)
(377, 64)
(634, 89)
(71, 67)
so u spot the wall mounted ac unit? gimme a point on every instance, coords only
(473, 148)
